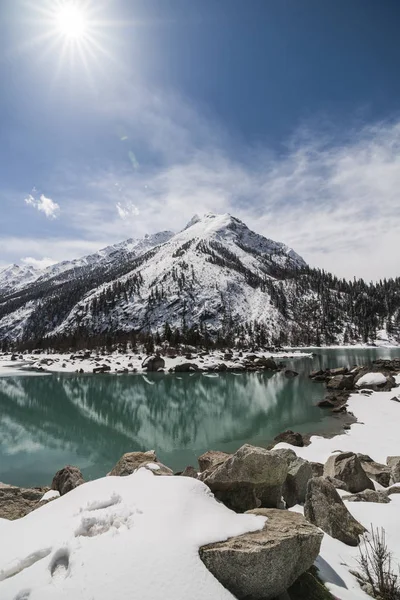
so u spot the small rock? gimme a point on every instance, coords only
(189, 472)
(67, 479)
(129, 462)
(289, 373)
(380, 496)
(290, 437)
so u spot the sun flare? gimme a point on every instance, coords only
(71, 22)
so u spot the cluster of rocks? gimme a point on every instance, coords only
(343, 381)
(249, 362)
(263, 482)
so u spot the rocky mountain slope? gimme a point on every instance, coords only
(214, 280)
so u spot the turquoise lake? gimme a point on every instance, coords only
(48, 421)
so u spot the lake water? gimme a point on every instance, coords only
(49, 421)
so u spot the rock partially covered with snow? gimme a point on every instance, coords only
(131, 461)
(67, 479)
(375, 471)
(154, 363)
(370, 380)
(263, 564)
(299, 473)
(324, 507)
(125, 538)
(251, 478)
(346, 467)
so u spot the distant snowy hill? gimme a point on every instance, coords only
(215, 278)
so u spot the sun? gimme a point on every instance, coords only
(71, 22)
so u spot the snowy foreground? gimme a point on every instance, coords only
(377, 434)
(137, 537)
(130, 363)
(125, 538)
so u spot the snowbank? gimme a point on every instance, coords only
(376, 433)
(131, 538)
(371, 379)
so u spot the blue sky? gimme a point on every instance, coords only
(283, 113)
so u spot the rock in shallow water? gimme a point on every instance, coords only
(263, 564)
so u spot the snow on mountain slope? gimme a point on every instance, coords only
(110, 254)
(214, 277)
(14, 277)
(215, 269)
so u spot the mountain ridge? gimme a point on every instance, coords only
(216, 279)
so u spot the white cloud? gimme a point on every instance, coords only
(127, 211)
(333, 198)
(38, 263)
(44, 204)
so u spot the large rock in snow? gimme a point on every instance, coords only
(251, 478)
(154, 363)
(376, 471)
(393, 463)
(324, 507)
(17, 502)
(347, 468)
(263, 564)
(67, 479)
(131, 461)
(299, 473)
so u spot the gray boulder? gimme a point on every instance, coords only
(154, 363)
(299, 473)
(186, 368)
(324, 507)
(251, 478)
(211, 458)
(341, 382)
(376, 471)
(67, 479)
(290, 437)
(393, 462)
(347, 468)
(129, 462)
(263, 564)
(381, 496)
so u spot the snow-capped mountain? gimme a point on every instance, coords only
(14, 277)
(216, 277)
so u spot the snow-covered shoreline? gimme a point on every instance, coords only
(128, 363)
(376, 434)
